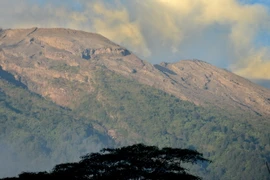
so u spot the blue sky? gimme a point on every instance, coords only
(264, 2)
(232, 34)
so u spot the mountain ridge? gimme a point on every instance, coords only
(47, 50)
(211, 82)
(95, 85)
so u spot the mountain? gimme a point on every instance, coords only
(33, 129)
(38, 56)
(88, 80)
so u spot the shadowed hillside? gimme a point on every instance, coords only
(36, 133)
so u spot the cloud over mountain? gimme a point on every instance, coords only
(224, 32)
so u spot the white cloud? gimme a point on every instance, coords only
(217, 30)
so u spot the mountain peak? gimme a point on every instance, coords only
(38, 56)
(56, 37)
(203, 82)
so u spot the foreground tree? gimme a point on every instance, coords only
(132, 162)
(267, 167)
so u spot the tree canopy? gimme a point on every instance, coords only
(131, 162)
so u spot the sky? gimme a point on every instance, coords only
(230, 34)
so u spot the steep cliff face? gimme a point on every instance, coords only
(51, 61)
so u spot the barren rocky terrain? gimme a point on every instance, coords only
(41, 58)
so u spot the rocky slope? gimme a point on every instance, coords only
(204, 83)
(103, 86)
(42, 58)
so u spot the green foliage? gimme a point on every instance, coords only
(236, 143)
(129, 112)
(37, 130)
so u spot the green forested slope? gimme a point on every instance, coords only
(35, 133)
(38, 131)
(237, 143)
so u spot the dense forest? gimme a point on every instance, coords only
(36, 133)
(40, 134)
